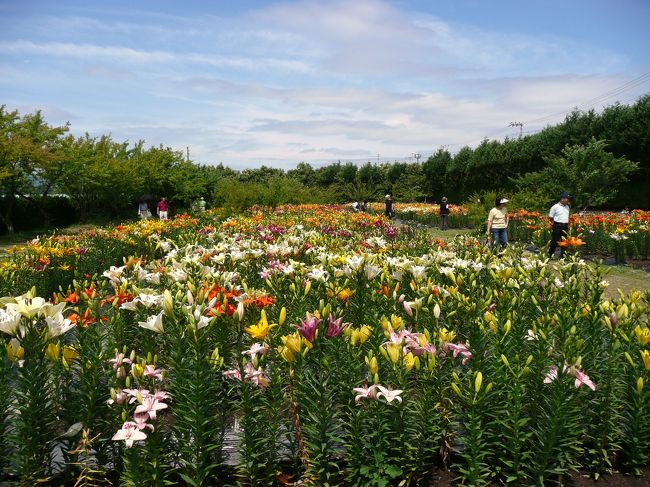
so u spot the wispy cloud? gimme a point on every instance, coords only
(297, 80)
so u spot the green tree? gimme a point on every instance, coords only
(591, 174)
(30, 162)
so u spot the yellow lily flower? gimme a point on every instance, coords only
(15, 351)
(365, 332)
(409, 361)
(293, 342)
(642, 334)
(261, 330)
(645, 355)
(286, 353)
(445, 335)
(394, 350)
(69, 355)
(53, 351)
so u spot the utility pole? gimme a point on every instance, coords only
(518, 124)
(417, 157)
(188, 153)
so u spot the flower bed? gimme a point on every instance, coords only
(621, 235)
(429, 214)
(337, 350)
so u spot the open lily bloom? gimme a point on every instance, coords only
(10, 323)
(389, 394)
(129, 433)
(153, 323)
(582, 378)
(150, 405)
(366, 392)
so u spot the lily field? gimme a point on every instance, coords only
(311, 345)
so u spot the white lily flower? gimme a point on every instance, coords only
(418, 271)
(153, 323)
(28, 307)
(355, 262)
(372, 271)
(10, 322)
(58, 325)
(149, 300)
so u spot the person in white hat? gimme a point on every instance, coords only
(389, 206)
(497, 223)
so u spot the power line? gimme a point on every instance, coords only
(602, 97)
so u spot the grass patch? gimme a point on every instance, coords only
(449, 233)
(626, 279)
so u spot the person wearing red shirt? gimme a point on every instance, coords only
(163, 209)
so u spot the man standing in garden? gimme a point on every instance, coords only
(559, 216)
(389, 207)
(163, 209)
(444, 213)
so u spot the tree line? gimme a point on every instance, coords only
(46, 172)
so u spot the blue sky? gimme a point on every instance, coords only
(251, 82)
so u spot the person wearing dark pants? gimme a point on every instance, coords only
(444, 213)
(559, 217)
(389, 207)
(497, 224)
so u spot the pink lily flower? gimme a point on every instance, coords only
(119, 360)
(389, 394)
(551, 375)
(141, 421)
(232, 374)
(152, 371)
(255, 349)
(407, 308)
(309, 327)
(150, 405)
(256, 376)
(582, 378)
(335, 327)
(120, 397)
(459, 349)
(159, 395)
(396, 338)
(366, 392)
(134, 394)
(129, 433)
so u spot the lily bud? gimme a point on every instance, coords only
(121, 372)
(478, 382)
(373, 365)
(456, 390)
(168, 303)
(504, 359)
(639, 385)
(436, 311)
(307, 287)
(240, 312)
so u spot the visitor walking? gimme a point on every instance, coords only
(444, 213)
(143, 210)
(163, 209)
(559, 217)
(201, 204)
(497, 223)
(389, 207)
